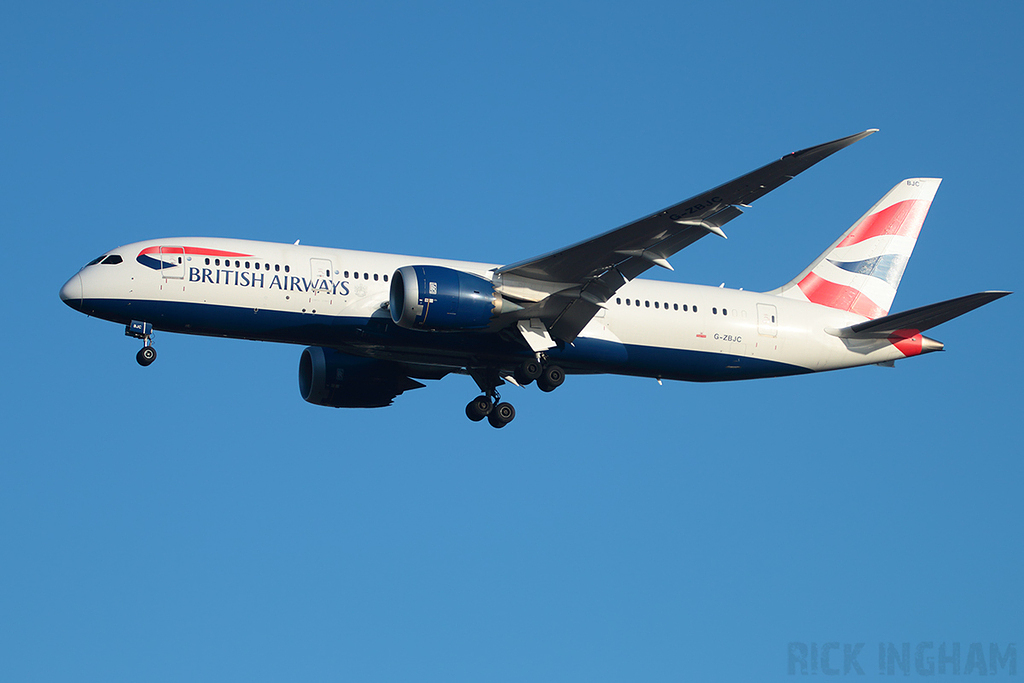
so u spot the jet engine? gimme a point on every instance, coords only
(331, 378)
(439, 298)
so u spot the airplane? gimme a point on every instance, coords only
(374, 324)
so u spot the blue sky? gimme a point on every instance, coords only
(196, 520)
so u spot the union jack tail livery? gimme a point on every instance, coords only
(861, 271)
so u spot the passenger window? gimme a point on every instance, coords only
(346, 274)
(675, 307)
(375, 277)
(725, 311)
(207, 261)
(247, 265)
(695, 308)
(277, 267)
(257, 264)
(656, 305)
(357, 276)
(238, 264)
(647, 304)
(216, 261)
(366, 276)
(714, 311)
(618, 301)
(287, 269)
(385, 278)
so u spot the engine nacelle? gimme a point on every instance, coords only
(331, 378)
(439, 298)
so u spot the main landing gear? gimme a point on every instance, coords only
(143, 331)
(498, 414)
(489, 405)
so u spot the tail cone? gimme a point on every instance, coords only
(929, 345)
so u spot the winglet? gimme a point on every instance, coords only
(828, 148)
(792, 165)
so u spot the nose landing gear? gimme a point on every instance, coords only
(146, 355)
(143, 331)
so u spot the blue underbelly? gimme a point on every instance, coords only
(378, 336)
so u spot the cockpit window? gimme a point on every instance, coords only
(95, 261)
(112, 260)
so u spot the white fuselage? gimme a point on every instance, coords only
(338, 298)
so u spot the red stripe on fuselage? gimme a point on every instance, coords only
(902, 218)
(197, 251)
(826, 293)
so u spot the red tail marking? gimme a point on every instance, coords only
(903, 218)
(826, 293)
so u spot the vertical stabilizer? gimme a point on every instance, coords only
(861, 271)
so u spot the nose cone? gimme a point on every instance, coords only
(71, 292)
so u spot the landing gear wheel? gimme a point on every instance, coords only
(146, 355)
(479, 408)
(551, 379)
(528, 371)
(502, 414)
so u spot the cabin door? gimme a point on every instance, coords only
(767, 320)
(172, 262)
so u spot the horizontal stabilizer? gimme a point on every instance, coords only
(918, 319)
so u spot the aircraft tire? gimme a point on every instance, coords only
(528, 371)
(551, 379)
(502, 414)
(479, 408)
(146, 356)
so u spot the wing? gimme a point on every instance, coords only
(576, 281)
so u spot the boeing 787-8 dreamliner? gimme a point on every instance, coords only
(376, 323)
